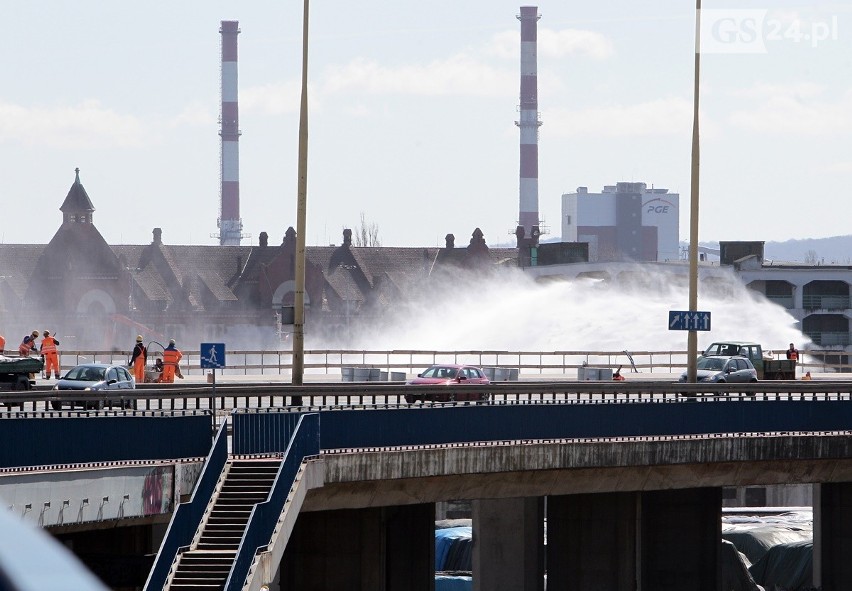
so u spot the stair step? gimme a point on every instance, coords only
(206, 566)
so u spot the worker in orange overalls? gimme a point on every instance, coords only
(171, 358)
(2, 344)
(28, 344)
(51, 355)
(138, 360)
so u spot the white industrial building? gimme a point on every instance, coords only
(624, 222)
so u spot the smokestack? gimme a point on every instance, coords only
(529, 123)
(230, 224)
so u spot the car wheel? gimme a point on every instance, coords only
(130, 404)
(56, 405)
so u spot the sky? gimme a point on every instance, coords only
(411, 115)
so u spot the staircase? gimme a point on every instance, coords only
(206, 565)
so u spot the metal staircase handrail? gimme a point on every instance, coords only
(188, 516)
(264, 517)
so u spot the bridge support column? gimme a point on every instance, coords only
(833, 536)
(591, 542)
(681, 534)
(508, 544)
(376, 549)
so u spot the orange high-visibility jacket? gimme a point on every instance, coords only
(48, 345)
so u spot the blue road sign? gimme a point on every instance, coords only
(685, 320)
(212, 355)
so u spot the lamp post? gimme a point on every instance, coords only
(692, 337)
(301, 216)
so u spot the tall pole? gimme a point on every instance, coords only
(301, 216)
(692, 338)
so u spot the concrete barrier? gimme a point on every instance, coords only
(594, 374)
(362, 374)
(501, 374)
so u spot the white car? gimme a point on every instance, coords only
(93, 377)
(722, 369)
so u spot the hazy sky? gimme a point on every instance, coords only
(412, 110)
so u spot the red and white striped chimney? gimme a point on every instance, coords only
(230, 224)
(529, 124)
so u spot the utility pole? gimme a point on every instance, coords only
(301, 222)
(692, 337)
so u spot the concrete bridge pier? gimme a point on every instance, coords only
(373, 549)
(508, 544)
(646, 541)
(833, 536)
(681, 535)
(591, 541)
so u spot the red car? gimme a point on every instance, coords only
(450, 375)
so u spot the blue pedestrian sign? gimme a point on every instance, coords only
(685, 320)
(212, 355)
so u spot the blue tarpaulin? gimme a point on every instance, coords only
(452, 549)
(453, 583)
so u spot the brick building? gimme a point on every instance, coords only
(97, 296)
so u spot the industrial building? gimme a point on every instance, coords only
(624, 222)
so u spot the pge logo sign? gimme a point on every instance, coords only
(657, 206)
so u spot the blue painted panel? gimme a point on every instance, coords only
(72, 440)
(377, 428)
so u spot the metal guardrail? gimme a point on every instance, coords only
(333, 361)
(346, 395)
(264, 517)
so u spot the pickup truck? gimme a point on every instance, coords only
(17, 373)
(767, 368)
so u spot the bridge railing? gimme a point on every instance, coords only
(332, 361)
(319, 396)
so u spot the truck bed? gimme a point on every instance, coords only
(20, 365)
(779, 369)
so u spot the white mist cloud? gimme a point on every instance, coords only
(87, 125)
(457, 75)
(553, 44)
(510, 312)
(670, 116)
(275, 99)
(801, 109)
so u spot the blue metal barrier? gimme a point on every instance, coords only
(263, 430)
(187, 516)
(343, 429)
(59, 440)
(264, 516)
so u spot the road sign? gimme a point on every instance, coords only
(685, 320)
(212, 355)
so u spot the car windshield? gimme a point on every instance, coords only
(714, 363)
(440, 372)
(86, 374)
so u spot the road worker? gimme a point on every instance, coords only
(50, 352)
(2, 344)
(138, 360)
(793, 352)
(28, 344)
(171, 358)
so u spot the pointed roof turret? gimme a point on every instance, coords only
(77, 201)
